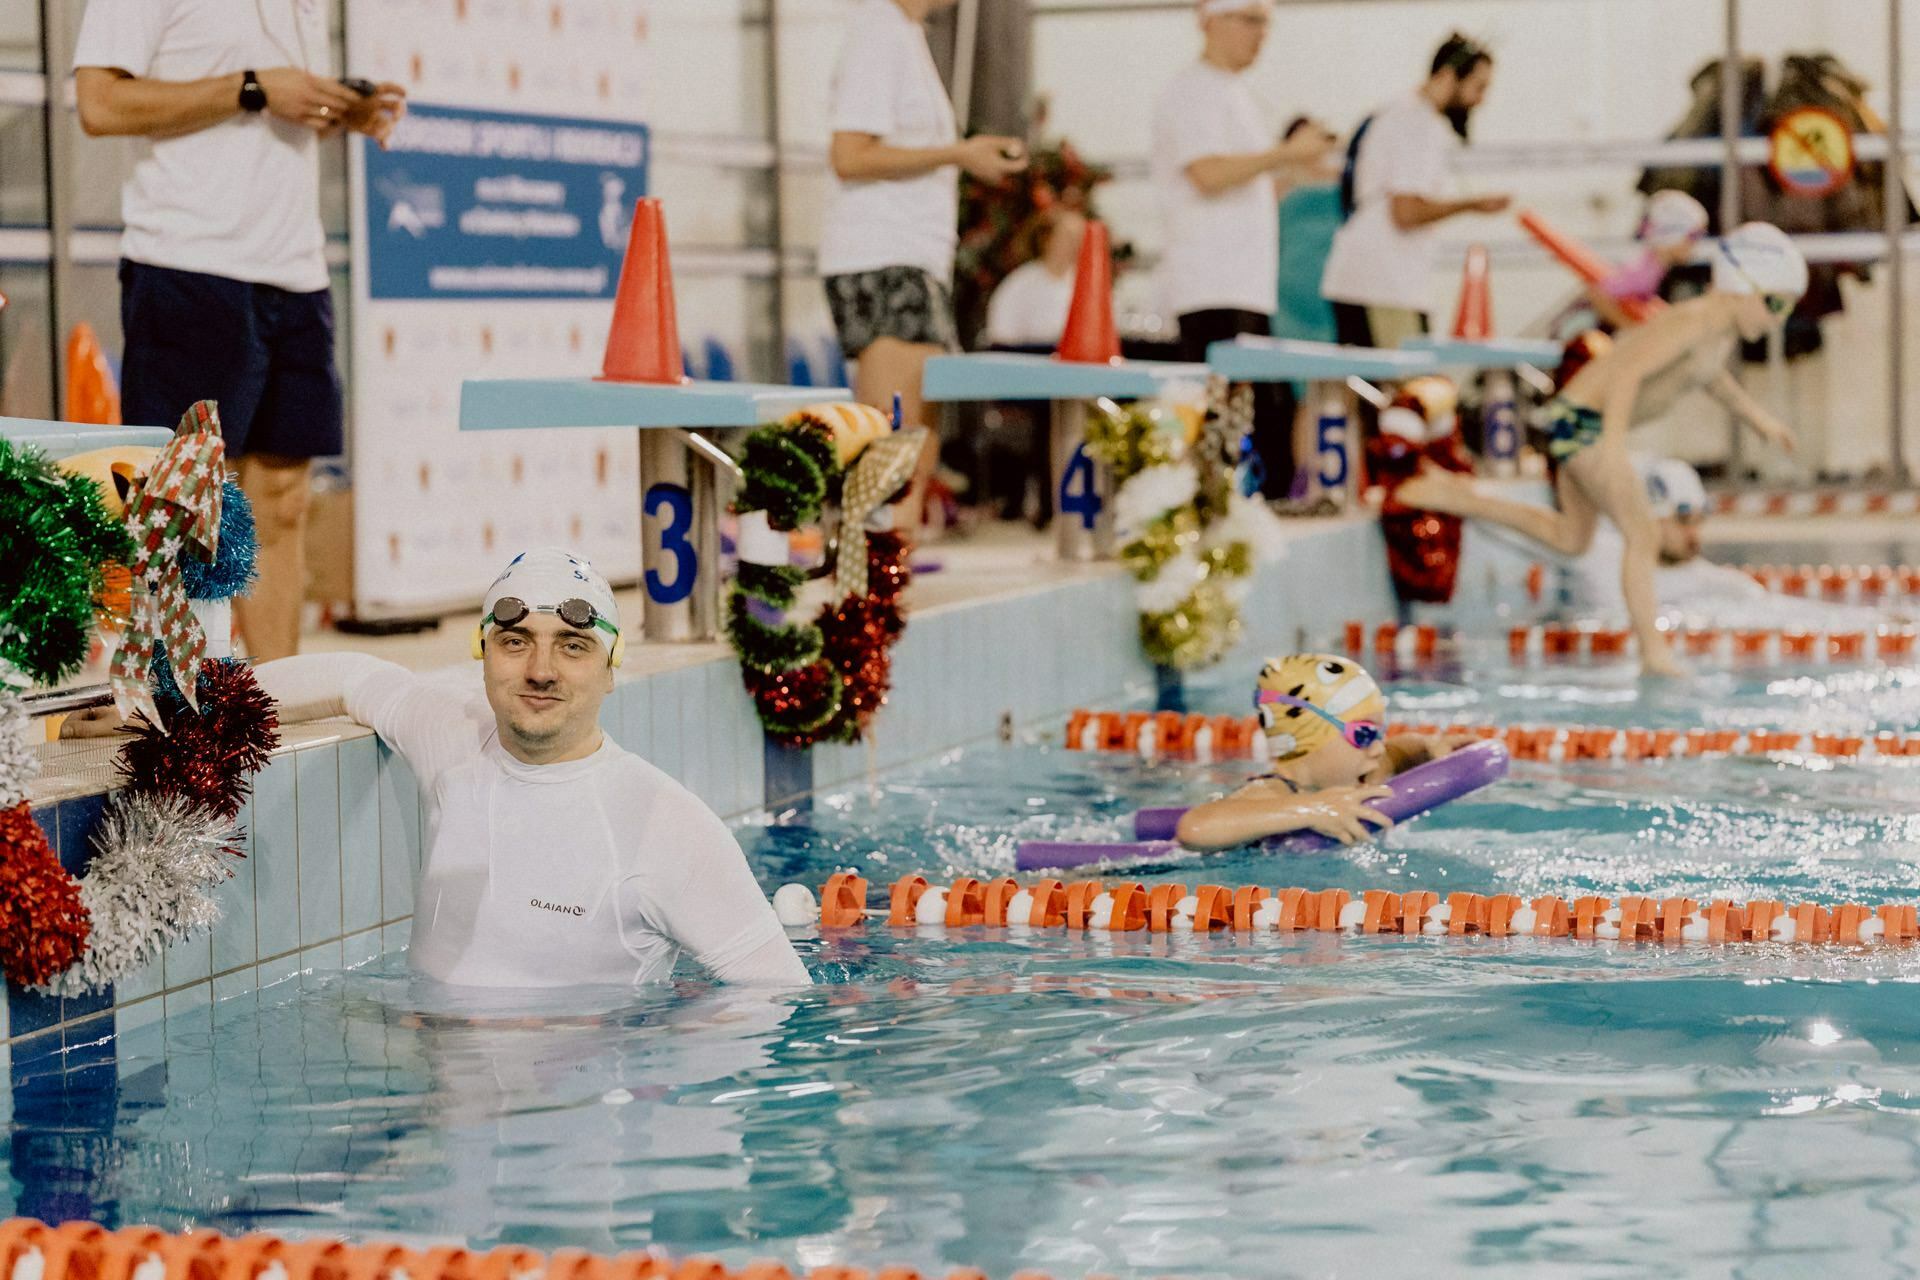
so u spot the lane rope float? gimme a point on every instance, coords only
(1097, 906)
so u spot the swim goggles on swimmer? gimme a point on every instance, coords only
(1360, 734)
(509, 611)
(1778, 304)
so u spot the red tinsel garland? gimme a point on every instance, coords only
(1423, 547)
(210, 756)
(43, 924)
(857, 635)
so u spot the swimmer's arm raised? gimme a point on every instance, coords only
(1727, 390)
(1254, 813)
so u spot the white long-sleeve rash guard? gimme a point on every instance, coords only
(592, 871)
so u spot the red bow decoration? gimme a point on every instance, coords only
(174, 509)
(1423, 547)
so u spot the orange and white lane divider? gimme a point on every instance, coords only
(1867, 584)
(1170, 735)
(1819, 502)
(1557, 743)
(1167, 734)
(1557, 640)
(31, 1250)
(1892, 643)
(1082, 906)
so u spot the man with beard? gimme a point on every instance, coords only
(1395, 192)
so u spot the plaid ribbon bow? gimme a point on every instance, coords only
(883, 467)
(174, 510)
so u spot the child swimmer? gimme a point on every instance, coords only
(1324, 720)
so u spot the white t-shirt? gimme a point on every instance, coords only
(1030, 307)
(594, 871)
(1407, 151)
(239, 199)
(1220, 251)
(885, 84)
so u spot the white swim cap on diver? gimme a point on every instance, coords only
(545, 578)
(1672, 218)
(1759, 257)
(1673, 487)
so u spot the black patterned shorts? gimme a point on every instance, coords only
(891, 302)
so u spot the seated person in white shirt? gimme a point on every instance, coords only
(1030, 307)
(554, 856)
(1685, 582)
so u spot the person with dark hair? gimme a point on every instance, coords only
(1217, 160)
(1394, 192)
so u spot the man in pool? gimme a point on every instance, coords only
(1758, 276)
(554, 857)
(1324, 720)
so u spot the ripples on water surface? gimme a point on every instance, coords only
(1134, 1105)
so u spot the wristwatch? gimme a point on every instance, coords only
(252, 96)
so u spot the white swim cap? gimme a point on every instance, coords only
(1759, 258)
(1209, 8)
(1672, 218)
(1673, 487)
(544, 578)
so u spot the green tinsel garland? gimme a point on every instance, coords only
(769, 648)
(790, 471)
(772, 584)
(55, 540)
(1128, 443)
(1163, 539)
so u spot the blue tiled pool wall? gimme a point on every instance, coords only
(334, 829)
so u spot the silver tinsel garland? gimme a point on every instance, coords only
(19, 762)
(151, 884)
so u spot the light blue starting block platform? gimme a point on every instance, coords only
(680, 499)
(1007, 375)
(1492, 353)
(1082, 489)
(64, 439)
(516, 404)
(1250, 358)
(1326, 368)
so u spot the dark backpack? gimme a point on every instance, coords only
(1349, 168)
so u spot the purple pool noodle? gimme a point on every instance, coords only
(1062, 855)
(1418, 790)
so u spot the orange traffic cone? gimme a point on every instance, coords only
(644, 343)
(1090, 336)
(1474, 319)
(91, 395)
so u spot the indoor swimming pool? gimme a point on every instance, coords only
(1134, 1104)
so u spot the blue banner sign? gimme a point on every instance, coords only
(483, 204)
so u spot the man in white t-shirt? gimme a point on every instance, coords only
(1396, 192)
(223, 274)
(1217, 154)
(893, 208)
(1029, 308)
(554, 856)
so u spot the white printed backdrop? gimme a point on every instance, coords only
(437, 511)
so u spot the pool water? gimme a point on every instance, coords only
(1135, 1105)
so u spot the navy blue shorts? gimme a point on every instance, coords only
(264, 354)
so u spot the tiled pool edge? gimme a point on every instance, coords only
(334, 827)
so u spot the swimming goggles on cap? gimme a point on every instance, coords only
(509, 611)
(1360, 734)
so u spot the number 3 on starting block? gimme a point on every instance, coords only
(1078, 494)
(677, 505)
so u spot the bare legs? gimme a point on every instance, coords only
(890, 367)
(1596, 481)
(278, 490)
